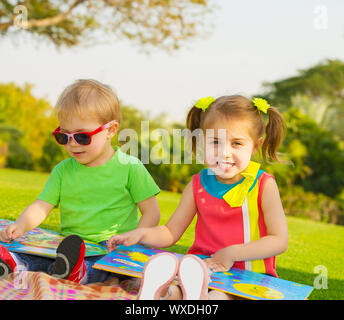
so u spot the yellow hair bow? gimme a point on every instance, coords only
(236, 196)
(204, 103)
(261, 104)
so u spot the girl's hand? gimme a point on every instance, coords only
(220, 261)
(127, 238)
(11, 232)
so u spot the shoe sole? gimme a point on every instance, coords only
(5, 269)
(67, 256)
(158, 273)
(193, 278)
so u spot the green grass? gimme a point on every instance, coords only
(311, 243)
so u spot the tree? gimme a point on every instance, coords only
(27, 121)
(316, 154)
(3, 153)
(52, 154)
(16, 156)
(159, 23)
(317, 91)
(319, 110)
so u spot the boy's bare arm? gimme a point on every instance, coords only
(30, 218)
(150, 211)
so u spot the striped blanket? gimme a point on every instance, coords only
(40, 286)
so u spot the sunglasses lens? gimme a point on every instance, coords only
(82, 138)
(61, 138)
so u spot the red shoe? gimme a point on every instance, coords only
(158, 273)
(7, 264)
(193, 278)
(70, 263)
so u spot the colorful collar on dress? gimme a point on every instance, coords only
(235, 197)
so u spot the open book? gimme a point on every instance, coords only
(43, 242)
(251, 285)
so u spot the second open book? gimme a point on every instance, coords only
(251, 285)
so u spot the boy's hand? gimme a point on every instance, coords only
(11, 232)
(127, 238)
(220, 261)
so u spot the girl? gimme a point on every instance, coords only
(240, 222)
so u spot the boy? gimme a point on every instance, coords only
(99, 188)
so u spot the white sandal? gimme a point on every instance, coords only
(158, 273)
(193, 278)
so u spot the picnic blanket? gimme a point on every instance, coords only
(29, 285)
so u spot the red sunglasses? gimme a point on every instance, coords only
(83, 138)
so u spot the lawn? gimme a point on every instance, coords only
(311, 243)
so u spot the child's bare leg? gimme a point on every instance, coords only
(172, 293)
(218, 295)
(176, 293)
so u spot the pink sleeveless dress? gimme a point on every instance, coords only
(219, 225)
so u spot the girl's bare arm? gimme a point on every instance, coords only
(165, 235)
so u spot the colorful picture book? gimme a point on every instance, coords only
(43, 242)
(251, 285)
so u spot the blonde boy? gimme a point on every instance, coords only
(99, 188)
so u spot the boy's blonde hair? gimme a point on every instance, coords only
(88, 98)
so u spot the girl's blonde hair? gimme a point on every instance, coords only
(88, 98)
(238, 107)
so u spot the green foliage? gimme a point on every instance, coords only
(52, 154)
(325, 79)
(315, 206)
(317, 91)
(19, 157)
(16, 155)
(318, 110)
(317, 154)
(25, 121)
(313, 105)
(3, 153)
(160, 23)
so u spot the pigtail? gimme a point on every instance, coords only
(275, 132)
(193, 119)
(194, 122)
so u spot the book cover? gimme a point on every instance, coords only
(251, 285)
(43, 242)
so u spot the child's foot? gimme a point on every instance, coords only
(69, 263)
(158, 273)
(7, 263)
(193, 278)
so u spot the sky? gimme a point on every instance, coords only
(252, 42)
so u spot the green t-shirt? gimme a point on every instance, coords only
(98, 202)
